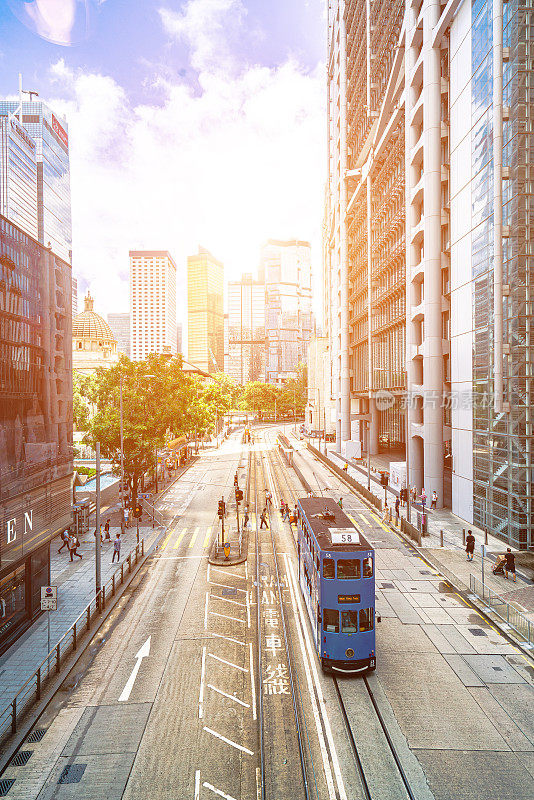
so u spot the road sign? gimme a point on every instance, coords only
(48, 598)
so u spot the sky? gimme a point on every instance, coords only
(196, 122)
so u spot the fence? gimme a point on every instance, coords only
(508, 613)
(369, 496)
(31, 691)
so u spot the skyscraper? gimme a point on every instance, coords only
(18, 175)
(205, 313)
(429, 242)
(246, 330)
(120, 325)
(285, 269)
(152, 303)
(74, 297)
(50, 134)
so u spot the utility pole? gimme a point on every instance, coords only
(98, 565)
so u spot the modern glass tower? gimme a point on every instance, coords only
(205, 312)
(246, 330)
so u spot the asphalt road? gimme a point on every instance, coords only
(165, 702)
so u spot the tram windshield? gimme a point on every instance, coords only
(349, 622)
(367, 568)
(348, 568)
(331, 620)
(329, 568)
(366, 619)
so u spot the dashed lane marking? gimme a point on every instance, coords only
(227, 600)
(228, 663)
(176, 545)
(228, 638)
(197, 784)
(227, 586)
(225, 616)
(225, 572)
(194, 538)
(207, 536)
(229, 696)
(218, 792)
(228, 741)
(201, 691)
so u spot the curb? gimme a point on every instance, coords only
(221, 561)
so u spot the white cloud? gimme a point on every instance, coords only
(226, 166)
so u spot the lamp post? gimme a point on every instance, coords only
(122, 451)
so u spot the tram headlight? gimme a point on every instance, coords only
(349, 653)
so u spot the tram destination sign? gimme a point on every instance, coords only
(344, 536)
(348, 598)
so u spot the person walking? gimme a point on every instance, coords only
(423, 498)
(434, 502)
(345, 467)
(397, 510)
(116, 548)
(414, 493)
(340, 502)
(106, 529)
(126, 517)
(263, 519)
(246, 520)
(470, 545)
(73, 546)
(65, 540)
(282, 508)
(509, 564)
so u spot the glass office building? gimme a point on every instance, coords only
(36, 414)
(245, 358)
(18, 175)
(51, 138)
(205, 311)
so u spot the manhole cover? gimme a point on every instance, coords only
(72, 774)
(497, 669)
(477, 632)
(387, 585)
(5, 786)
(229, 590)
(36, 735)
(21, 758)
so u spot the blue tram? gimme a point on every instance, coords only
(337, 580)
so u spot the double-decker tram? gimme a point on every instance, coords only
(337, 580)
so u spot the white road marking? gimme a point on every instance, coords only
(227, 586)
(201, 692)
(229, 696)
(252, 682)
(197, 784)
(227, 600)
(142, 653)
(179, 558)
(229, 741)
(311, 671)
(225, 616)
(218, 792)
(206, 611)
(232, 574)
(228, 638)
(208, 576)
(248, 610)
(228, 663)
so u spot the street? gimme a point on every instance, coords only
(170, 701)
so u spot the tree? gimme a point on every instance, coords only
(260, 397)
(157, 397)
(294, 395)
(82, 387)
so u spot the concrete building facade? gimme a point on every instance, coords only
(120, 326)
(152, 303)
(428, 250)
(205, 311)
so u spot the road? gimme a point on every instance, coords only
(166, 701)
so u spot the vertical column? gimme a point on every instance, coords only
(433, 353)
(344, 294)
(497, 206)
(373, 428)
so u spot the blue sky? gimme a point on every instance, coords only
(198, 122)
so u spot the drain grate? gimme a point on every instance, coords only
(498, 669)
(21, 758)
(229, 590)
(477, 632)
(5, 786)
(387, 585)
(36, 735)
(72, 774)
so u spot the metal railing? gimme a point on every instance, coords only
(30, 692)
(504, 610)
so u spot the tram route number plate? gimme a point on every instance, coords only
(344, 536)
(348, 598)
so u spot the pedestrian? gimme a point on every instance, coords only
(268, 499)
(340, 502)
(65, 540)
(73, 546)
(286, 512)
(414, 493)
(470, 545)
(509, 564)
(126, 517)
(116, 548)
(282, 508)
(263, 519)
(434, 502)
(385, 515)
(246, 520)
(423, 498)
(403, 496)
(345, 467)
(106, 529)
(397, 510)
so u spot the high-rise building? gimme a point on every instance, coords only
(179, 343)
(245, 360)
(120, 325)
(205, 312)
(285, 269)
(74, 297)
(36, 420)
(429, 242)
(18, 175)
(50, 135)
(152, 303)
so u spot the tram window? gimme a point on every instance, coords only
(367, 567)
(348, 568)
(349, 622)
(366, 619)
(331, 620)
(328, 568)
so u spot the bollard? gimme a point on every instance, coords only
(463, 536)
(441, 538)
(485, 537)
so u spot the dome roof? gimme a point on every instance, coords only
(90, 325)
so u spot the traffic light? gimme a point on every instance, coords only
(138, 511)
(221, 509)
(238, 495)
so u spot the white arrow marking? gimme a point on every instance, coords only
(143, 653)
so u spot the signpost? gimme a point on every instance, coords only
(48, 603)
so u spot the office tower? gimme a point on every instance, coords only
(50, 135)
(434, 118)
(36, 420)
(18, 175)
(74, 297)
(285, 268)
(205, 315)
(152, 303)
(120, 325)
(245, 359)
(179, 344)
